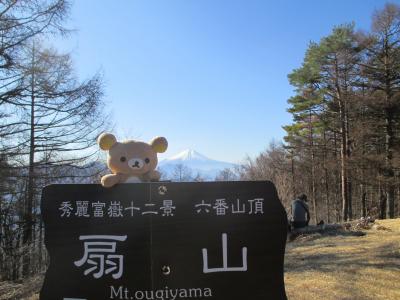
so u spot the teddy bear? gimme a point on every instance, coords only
(131, 161)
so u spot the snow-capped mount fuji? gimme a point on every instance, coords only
(197, 163)
(188, 154)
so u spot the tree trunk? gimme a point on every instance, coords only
(350, 198)
(293, 176)
(28, 218)
(348, 154)
(1, 241)
(363, 201)
(382, 203)
(389, 133)
(328, 206)
(389, 172)
(313, 189)
(338, 185)
(343, 163)
(390, 201)
(326, 180)
(40, 245)
(398, 196)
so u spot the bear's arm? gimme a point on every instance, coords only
(110, 180)
(151, 176)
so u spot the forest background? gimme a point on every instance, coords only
(342, 148)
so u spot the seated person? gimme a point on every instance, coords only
(300, 212)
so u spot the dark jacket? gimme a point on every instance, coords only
(300, 212)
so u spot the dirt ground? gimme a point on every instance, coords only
(328, 267)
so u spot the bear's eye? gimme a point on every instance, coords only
(147, 160)
(122, 159)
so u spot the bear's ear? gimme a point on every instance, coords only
(159, 144)
(106, 141)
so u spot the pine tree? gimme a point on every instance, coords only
(381, 71)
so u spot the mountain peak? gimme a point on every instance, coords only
(188, 154)
(197, 164)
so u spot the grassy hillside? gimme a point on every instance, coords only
(345, 267)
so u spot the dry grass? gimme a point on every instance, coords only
(25, 290)
(346, 267)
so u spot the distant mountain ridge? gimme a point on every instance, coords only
(198, 163)
(195, 162)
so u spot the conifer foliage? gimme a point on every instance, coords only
(342, 148)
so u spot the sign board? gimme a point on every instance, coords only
(208, 240)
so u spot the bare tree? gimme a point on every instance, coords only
(227, 174)
(198, 177)
(60, 119)
(181, 173)
(20, 21)
(274, 165)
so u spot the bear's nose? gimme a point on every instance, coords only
(136, 163)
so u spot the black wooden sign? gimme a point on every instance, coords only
(210, 240)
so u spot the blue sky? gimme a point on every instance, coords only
(207, 74)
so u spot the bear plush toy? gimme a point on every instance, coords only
(131, 161)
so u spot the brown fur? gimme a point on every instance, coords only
(131, 159)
